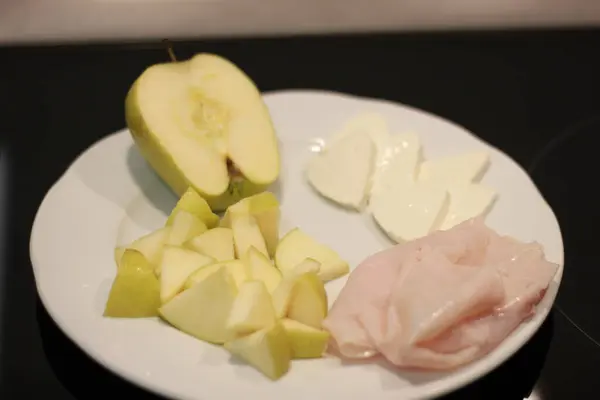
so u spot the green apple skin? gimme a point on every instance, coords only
(135, 292)
(163, 162)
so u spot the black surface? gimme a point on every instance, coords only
(518, 91)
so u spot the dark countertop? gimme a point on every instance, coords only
(516, 90)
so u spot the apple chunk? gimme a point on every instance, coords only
(236, 269)
(202, 310)
(306, 341)
(135, 292)
(193, 203)
(185, 226)
(252, 310)
(264, 207)
(246, 234)
(216, 243)
(296, 246)
(308, 302)
(203, 123)
(261, 268)
(149, 245)
(176, 266)
(268, 350)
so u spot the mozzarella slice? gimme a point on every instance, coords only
(462, 168)
(341, 172)
(397, 165)
(370, 123)
(467, 201)
(410, 211)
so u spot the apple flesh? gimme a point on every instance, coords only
(268, 350)
(193, 203)
(264, 207)
(296, 246)
(246, 234)
(149, 245)
(252, 310)
(305, 341)
(202, 123)
(262, 269)
(185, 226)
(236, 269)
(308, 300)
(216, 243)
(176, 266)
(202, 310)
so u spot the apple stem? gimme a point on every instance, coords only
(170, 50)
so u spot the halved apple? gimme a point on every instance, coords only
(296, 246)
(262, 269)
(176, 266)
(202, 123)
(193, 203)
(216, 243)
(135, 292)
(264, 207)
(203, 309)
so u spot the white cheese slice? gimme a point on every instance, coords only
(462, 168)
(467, 201)
(342, 171)
(370, 123)
(397, 164)
(410, 211)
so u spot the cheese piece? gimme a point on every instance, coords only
(410, 211)
(341, 172)
(467, 201)
(370, 123)
(462, 168)
(398, 163)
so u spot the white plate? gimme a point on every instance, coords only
(109, 196)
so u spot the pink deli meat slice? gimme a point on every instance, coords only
(440, 301)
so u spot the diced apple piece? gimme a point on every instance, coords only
(149, 245)
(308, 303)
(135, 292)
(268, 350)
(296, 246)
(252, 310)
(305, 341)
(236, 268)
(265, 208)
(184, 227)
(203, 309)
(193, 203)
(282, 296)
(261, 268)
(176, 266)
(216, 243)
(308, 265)
(246, 234)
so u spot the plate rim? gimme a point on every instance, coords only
(148, 385)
